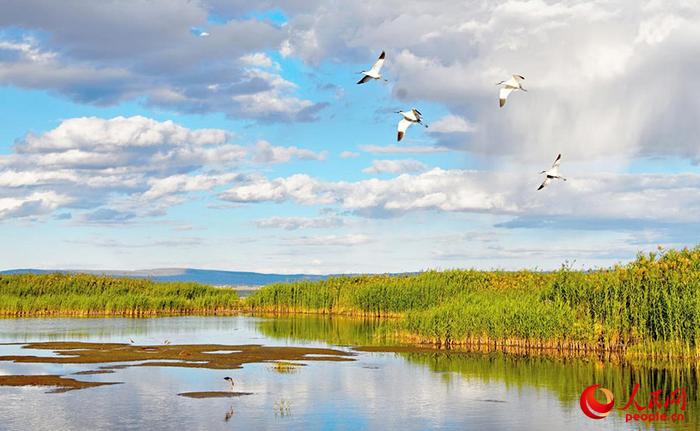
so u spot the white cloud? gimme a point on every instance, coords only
(348, 155)
(122, 168)
(463, 51)
(295, 223)
(34, 204)
(657, 28)
(301, 188)
(582, 100)
(163, 65)
(258, 59)
(285, 48)
(28, 50)
(452, 124)
(25, 64)
(267, 153)
(161, 187)
(400, 149)
(270, 103)
(92, 133)
(436, 189)
(276, 101)
(332, 240)
(623, 93)
(587, 200)
(395, 167)
(119, 149)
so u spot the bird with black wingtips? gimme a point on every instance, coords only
(230, 380)
(409, 117)
(552, 173)
(513, 84)
(374, 71)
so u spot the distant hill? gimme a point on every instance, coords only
(204, 276)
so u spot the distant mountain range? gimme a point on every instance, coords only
(204, 276)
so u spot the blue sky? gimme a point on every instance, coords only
(129, 141)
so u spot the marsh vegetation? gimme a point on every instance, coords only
(91, 295)
(649, 307)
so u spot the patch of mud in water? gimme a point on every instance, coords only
(61, 384)
(185, 356)
(90, 372)
(213, 394)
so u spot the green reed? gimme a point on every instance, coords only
(650, 306)
(83, 294)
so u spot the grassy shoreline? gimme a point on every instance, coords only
(82, 295)
(647, 308)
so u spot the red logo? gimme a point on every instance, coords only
(591, 407)
(656, 410)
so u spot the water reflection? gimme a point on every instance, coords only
(407, 389)
(564, 377)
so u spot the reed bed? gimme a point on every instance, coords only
(649, 307)
(385, 295)
(89, 295)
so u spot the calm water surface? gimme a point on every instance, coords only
(382, 391)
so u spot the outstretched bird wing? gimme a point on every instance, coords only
(557, 161)
(544, 183)
(403, 126)
(364, 79)
(377, 66)
(503, 95)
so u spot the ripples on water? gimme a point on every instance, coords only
(383, 391)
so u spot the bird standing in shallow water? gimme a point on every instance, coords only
(513, 84)
(230, 380)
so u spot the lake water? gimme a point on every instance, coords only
(407, 390)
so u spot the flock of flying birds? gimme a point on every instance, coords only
(414, 115)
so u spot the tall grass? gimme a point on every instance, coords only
(655, 299)
(650, 306)
(384, 295)
(83, 295)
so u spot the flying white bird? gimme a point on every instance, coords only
(410, 117)
(373, 72)
(508, 87)
(552, 173)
